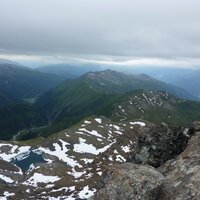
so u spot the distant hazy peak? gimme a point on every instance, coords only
(5, 61)
(12, 63)
(106, 73)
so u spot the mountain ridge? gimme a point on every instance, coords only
(130, 82)
(22, 82)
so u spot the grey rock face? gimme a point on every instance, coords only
(130, 181)
(158, 144)
(182, 175)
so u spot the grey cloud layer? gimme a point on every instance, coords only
(168, 28)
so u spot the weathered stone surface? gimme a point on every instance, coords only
(130, 181)
(158, 144)
(182, 175)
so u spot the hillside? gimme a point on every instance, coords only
(6, 99)
(16, 117)
(103, 93)
(91, 87)
(22, 82)
(156, 107)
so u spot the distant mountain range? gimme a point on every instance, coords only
(22, 82)
(190, 82)
(188, 79)
(61, 104)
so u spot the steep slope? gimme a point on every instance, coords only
(17, 117)
(22, 82)
(155, 106)
(6, 99)
(70, 102)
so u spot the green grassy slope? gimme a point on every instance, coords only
(80, 100)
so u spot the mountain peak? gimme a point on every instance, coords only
(107, 75)
(106, 71)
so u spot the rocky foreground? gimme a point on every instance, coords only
(100, 159)
(178, 178)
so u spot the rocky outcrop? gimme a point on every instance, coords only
(157, 144)
(182, 175)
(179, 178)
(130, 181)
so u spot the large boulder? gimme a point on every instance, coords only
(182, 175)
(130, 181)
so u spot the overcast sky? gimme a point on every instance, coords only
(155, 32)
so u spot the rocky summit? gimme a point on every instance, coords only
(102, 159)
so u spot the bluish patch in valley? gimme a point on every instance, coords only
(24, 161)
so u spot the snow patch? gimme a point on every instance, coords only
(86, 193)
(40, 178)
(126, 149)
(14, 152)
(98, 120)
(138, 123)
(76, 174)
(7, 194)
(87, 122)
(93, 132)
(118, 132)
(116, 127)
(60, 153)
(87, 160)
(6, 179)
(82, 147)
(120, 158)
